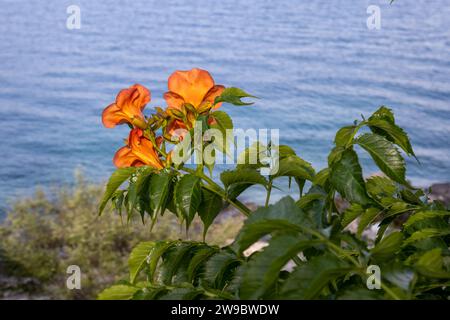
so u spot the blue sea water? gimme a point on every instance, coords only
(314, 64)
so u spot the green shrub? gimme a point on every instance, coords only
(44, 234)
(309, 234)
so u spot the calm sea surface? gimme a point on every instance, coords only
(315, 65)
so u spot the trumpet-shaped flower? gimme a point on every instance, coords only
(139, 151)
(195, 87)
(127, 108)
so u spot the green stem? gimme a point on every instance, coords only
(214, 187)
(269, 190)
(390, 292)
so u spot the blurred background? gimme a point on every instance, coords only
(315, 65)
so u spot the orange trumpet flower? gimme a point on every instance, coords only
(195, 87)
(139, 151)
(127, 108)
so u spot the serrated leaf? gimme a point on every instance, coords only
(209, 208)
(223, 123)
(423, 215)
(234, 95)
(294, 166)
(115, 181)
(199, 259)
(388, 246)
(431, 264)
(220, 268)
(393, 133)
(176, 262)
(424, 234)
(385, 155)
(284, 215)
(159, 190)
(308, 280)
(118, 292)
(188, 196)
(351, 213)
(383, 113)
(366, 219)
(222, 119)
(146, 253)
(322, 177)
(346, 177)
(380, 187)
(261, 273)
(344, 135)
(251, 156)
(237, 180)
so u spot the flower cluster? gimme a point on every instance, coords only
(190, 94)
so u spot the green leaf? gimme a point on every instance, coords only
(388, 246)
(284, 216)
(236, 181)
(383, 113)
(176, 262)
(392, 133)
(117, 178)
(308, 280)
(220, 268)
(380, 187)
(188, 196)
(350, 214)
(159, 189)
(366, 219)
(346, 177)
(234, 95)
(423, 215)
(222, 123)
(182, 294)
(138, 185)
(385, 155)
(209, 208)
(198, 260)
(261, 273)
(431, 264)
(307, 199)
(344, 135)
(146, 253)
(322, 177)
(118, 292)
(251, 156)
(335, 155)
(294, 166)
(424, 234)
(285, 151)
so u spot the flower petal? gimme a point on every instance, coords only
(173, 100)
(192, 85)
(124, 157)
(112, 115)
(133, 100)
(143, 149)
(213, 93)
